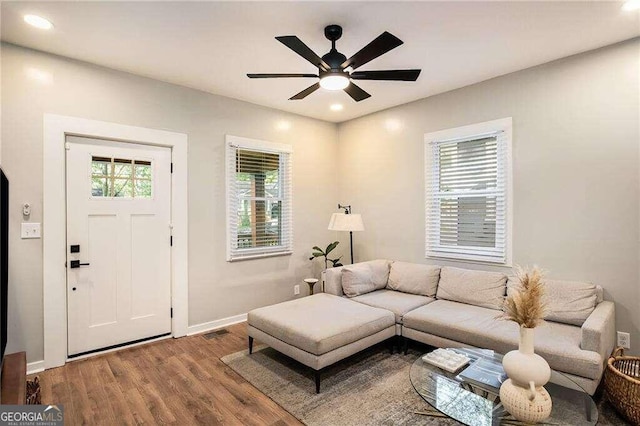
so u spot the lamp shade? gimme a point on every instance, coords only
(346, 222)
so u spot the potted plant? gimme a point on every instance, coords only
(318, 252)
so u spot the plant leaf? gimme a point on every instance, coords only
(331, 246)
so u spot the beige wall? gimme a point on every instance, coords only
(576, 174)
(575, 170)
(34, 83)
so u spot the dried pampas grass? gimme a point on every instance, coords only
(525, 304)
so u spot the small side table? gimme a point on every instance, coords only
(311, 282)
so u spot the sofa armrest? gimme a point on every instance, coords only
(333, 281)
(599, 330)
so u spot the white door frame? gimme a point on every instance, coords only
(56, 128)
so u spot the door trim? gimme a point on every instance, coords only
(56, 128)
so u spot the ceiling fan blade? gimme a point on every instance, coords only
(306, 92)
(356, 92)
(280, 75)
(295, 44)
(378, 47)
(397, 75)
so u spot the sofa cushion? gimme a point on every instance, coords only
(558, 344)
(320, 323)
(480, 288)
(365, 277)
(568, 302)
(414, 278)
(394, 301)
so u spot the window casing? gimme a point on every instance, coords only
(258, 199)
(468, 193)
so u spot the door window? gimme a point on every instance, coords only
(121, 178)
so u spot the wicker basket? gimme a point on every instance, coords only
(622, 384)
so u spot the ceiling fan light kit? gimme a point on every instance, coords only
(334, 81)
(332, 66)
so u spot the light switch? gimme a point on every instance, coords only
(30, 230)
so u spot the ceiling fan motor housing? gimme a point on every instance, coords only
(334, 59)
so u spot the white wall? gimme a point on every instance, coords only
(34, 83)
(576, 127)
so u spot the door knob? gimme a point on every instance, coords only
(77, 264)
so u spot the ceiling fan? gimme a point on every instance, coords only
(332, 67)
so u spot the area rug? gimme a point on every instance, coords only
(370, 388)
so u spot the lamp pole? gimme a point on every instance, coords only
(347, 210)
(351, 244)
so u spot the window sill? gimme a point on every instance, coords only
(469, 259)
(260, 256)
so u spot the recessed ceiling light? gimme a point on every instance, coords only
(336, 107)
(631, 5)
(38, 22)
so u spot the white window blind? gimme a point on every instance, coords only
(258, 199)
(466, 197)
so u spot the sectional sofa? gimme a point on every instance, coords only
(369, 302)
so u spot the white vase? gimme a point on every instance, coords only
(523, 395)
(525, 368)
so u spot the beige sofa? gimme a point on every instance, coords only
(453, 307)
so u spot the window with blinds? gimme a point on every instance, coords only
(466, 197)
(258, 199)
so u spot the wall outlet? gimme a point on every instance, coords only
(624, 340)
(296, 290)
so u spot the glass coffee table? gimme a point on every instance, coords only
(476, 407)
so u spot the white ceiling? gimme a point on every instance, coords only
(211, 46)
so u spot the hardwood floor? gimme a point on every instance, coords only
(174, 381)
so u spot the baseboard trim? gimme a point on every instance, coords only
(214, 325)
(35, 367)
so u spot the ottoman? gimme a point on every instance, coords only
(320, 330)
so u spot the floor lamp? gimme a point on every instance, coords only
(346, 222)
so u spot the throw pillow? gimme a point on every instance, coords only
(365, 277)
(414, 278)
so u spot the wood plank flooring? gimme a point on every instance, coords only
(174, 381)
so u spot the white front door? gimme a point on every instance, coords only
(118, 243)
